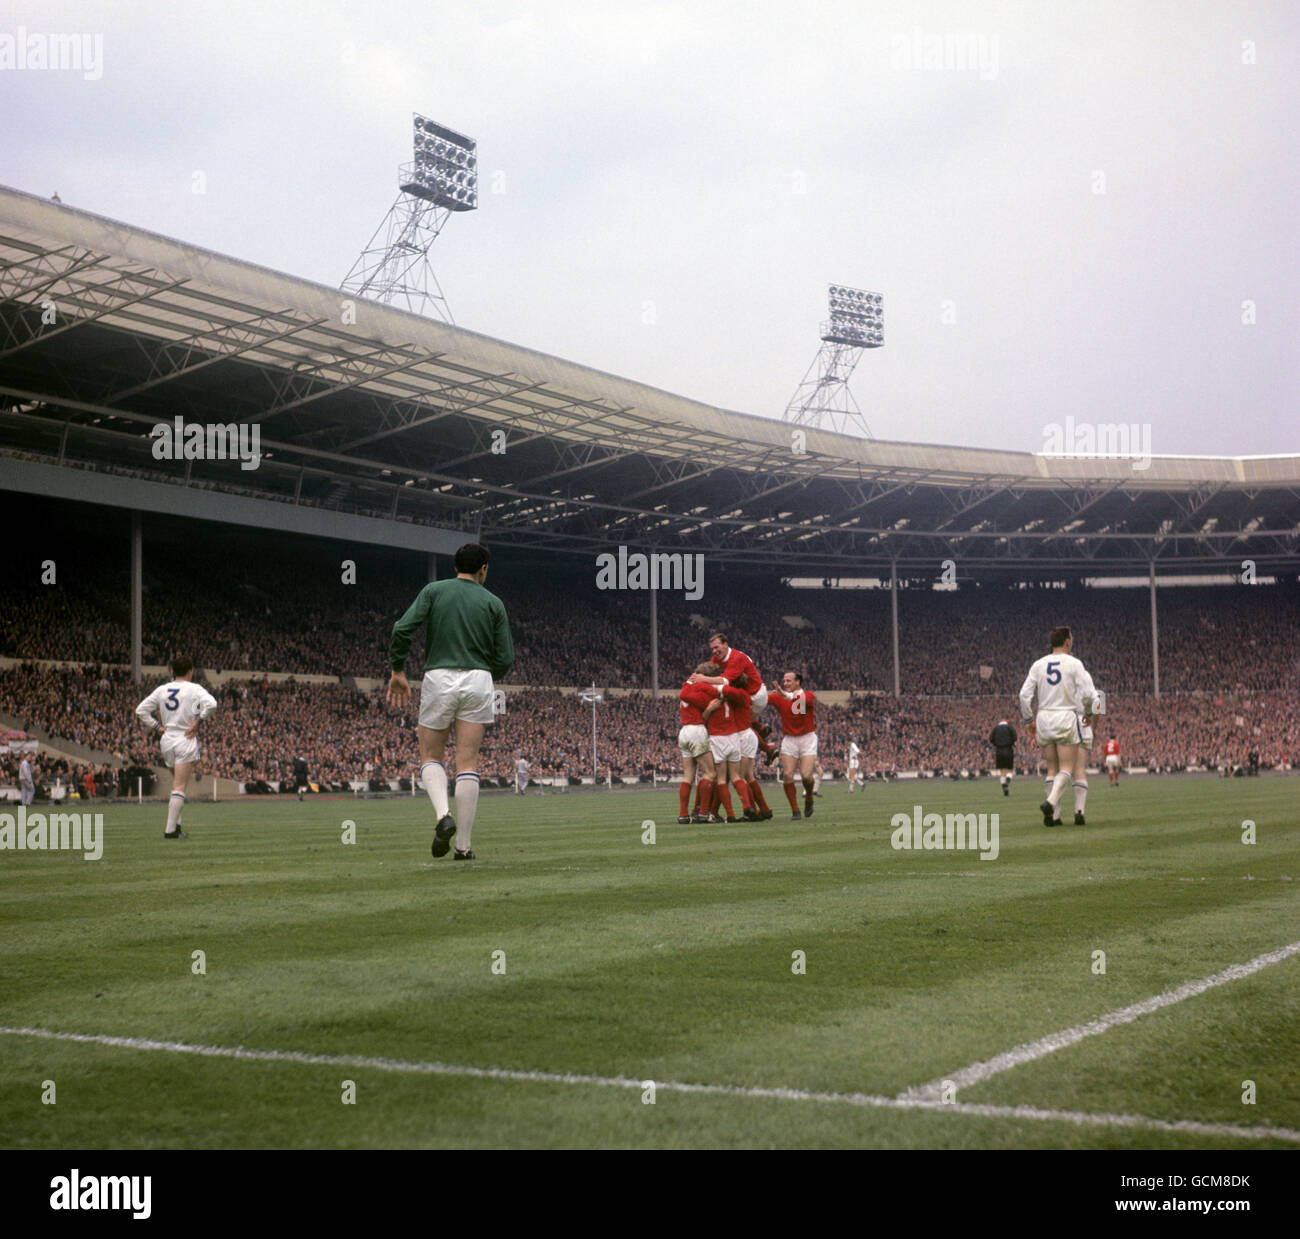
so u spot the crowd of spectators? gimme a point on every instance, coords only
(975, 641)
(344, 734)
(1229, 669)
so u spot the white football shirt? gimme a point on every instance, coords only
(176, 705)
(1061, 682)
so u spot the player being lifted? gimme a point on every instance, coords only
(466, 643)
(1112, 760)
(795, 706)
(1066, 698)
(180, 705)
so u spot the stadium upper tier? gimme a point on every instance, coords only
(370, 410)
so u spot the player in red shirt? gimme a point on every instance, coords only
(796, 708)
(727, 729)
(1112, 760)
(698, 703)
(730, 666)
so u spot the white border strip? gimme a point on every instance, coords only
(1022, 1054)
(670, 1086)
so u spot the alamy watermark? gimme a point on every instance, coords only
(1099, 440)
(63, 832)
(955, 832)
(183, 440)
(30, 50)
(637, 570)
(948, 51)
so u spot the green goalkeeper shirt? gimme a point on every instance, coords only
(465, 628)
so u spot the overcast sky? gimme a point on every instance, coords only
(1069, 207)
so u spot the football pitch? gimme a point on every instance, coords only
(604, 978)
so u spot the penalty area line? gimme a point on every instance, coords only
(860, 1100)
(1031, 1050)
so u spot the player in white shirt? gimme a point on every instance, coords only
(521, 774)
(174, 711)
(1066, 698)
(854, 764)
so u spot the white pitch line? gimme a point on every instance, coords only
(1026, 1053)
(862, 1100)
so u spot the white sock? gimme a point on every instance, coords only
(174, 812)
(433, 774)
(466, 807)
(817, 783)
(1080, 794)
(1059, 784)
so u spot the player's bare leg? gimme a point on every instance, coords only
(807, 772)
(721, 794)
(743, 781)
(176, 803)
(433, 774)
(1060, 767)
(761, 810)
(689, 765)
(704, 790)
(787, 783)
(1079, 773)
(469, 739)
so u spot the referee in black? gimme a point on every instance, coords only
(1003, 739)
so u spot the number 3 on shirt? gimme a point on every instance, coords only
(173, 698)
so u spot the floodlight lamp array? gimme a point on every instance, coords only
(857, 317)
(445, 170)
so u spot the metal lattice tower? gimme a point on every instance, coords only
(394, 267)
(823, 398)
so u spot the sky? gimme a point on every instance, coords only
(1076, 212)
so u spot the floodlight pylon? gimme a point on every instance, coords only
(823, 398)
(394, 268)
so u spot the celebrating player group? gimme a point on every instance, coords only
(722, 735)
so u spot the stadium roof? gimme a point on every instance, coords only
(108, 330)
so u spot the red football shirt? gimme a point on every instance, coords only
(739, 664)
(796, 712)
(694, 698)
(1112, 748)
(735, 714)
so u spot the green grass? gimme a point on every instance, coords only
(665, 962)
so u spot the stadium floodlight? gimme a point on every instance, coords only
(823, 399)
(441, 178)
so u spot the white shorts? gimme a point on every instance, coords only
(748, 744)
(760, 700)
(178, 747)
(1112, 761)
(693, 739)
(726, 748)
(853, 765)
(1058, 727)
(799, 746)
(448, 695)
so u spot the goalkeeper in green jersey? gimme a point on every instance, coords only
(466, 644)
